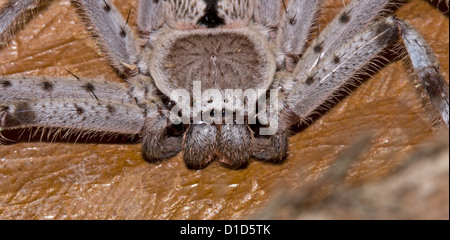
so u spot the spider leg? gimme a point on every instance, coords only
(117, 40)
(157, 144)
(273, 148)
(114, 36)
(273, 144)
(426, 66)
(337, 68)
(79, 115)
(236, 13)
(199, 145)
(184, 14)
(267, 13)
(351, 20)
(236, 142)
(13, 88)
(150, 18)
(12, 15)
(75, 104)
(295, 28)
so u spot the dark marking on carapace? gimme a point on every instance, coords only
(111, 109)
(344, 18)
(89, 87)
(336, 60)
(47, 86)
(382, 27)
(6, 83)
(434, 82)
(107, 8)
(388, 33)
(79, 109)
(318, 48)
(310, 80)
(292, 21)
(24, 113)
(211, 18)
(123, 33)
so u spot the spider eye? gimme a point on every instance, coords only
(169, 104)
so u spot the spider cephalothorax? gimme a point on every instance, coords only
(254, 60)
(218, 59)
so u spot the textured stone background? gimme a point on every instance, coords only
(112, 181)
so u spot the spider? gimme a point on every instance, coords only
(220, 44)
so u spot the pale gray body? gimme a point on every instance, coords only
(238, 44)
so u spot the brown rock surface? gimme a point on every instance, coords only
(112, 181)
